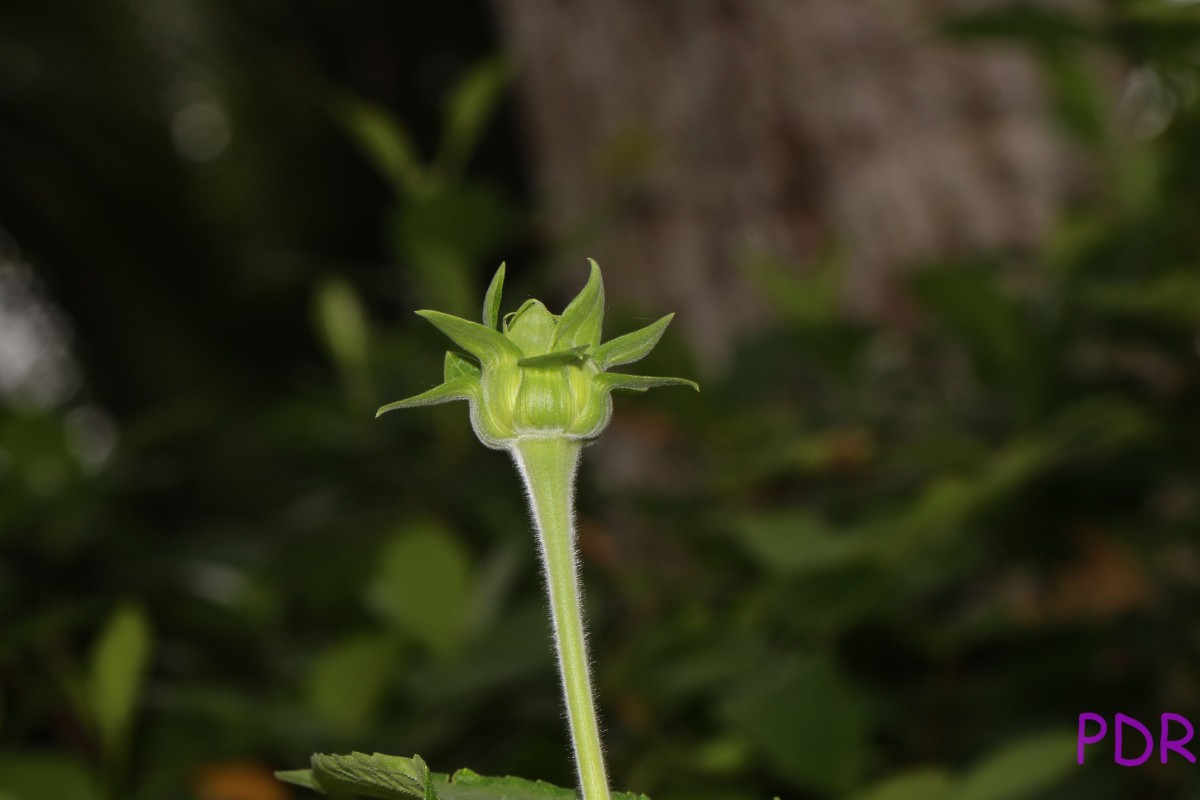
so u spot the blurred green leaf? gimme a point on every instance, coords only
(805, 295)
(118, 663)
(1099, 425)
(45, 776)
(1021, 769)
(469, 107)
(1180, 13)
(343, 329)
(797, 542)
(347, 681)
(1078, 96)
(1137, 180)
(950, 502)
(681, 667)
(831, 601)
(807, 719)
(922, 784)
(1045, 27)
(384, 141)
(999, 337)
(341, 321)
(442, 236)
(423, 585)
(967, 300)
(1172, 298)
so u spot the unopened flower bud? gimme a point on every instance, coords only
(537, 375)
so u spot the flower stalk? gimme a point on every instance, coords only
(538, 386)
(548, 468)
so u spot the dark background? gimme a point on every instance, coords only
(935, 264)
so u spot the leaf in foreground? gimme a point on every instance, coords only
(395, 778)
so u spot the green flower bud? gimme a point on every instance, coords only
(538, 375)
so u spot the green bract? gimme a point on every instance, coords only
(537, 375)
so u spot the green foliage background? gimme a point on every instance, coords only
(863, 564)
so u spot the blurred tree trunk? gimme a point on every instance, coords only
(691, 134)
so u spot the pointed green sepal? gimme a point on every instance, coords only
(491, 300)
(632, 346)
(581, 321)
(486, 344)
(456, 366)
(640, 383)
(463, 388)
(573, 357)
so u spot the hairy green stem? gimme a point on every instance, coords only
(548, 468)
